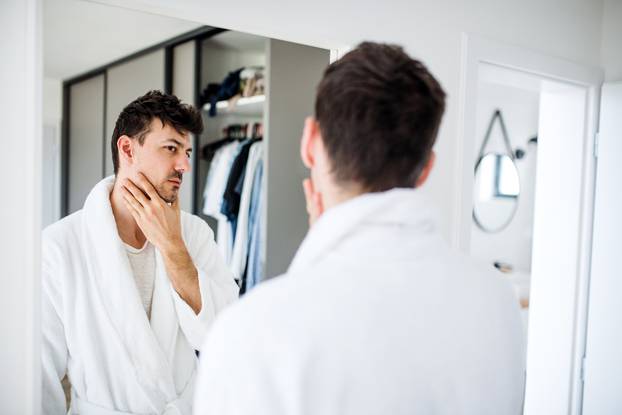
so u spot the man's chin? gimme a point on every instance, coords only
(169, 196)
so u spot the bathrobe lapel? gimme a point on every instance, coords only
(149, 346)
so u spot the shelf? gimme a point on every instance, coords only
(244, 106)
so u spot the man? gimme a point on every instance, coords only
(376, 314)
(130, 283)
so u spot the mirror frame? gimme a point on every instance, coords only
(479, 224)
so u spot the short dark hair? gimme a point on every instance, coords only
(379, 112)
(136, 117)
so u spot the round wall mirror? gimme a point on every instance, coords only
(495, 197)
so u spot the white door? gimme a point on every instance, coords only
(602, 393)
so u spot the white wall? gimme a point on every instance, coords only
(428, 30)
(519, 108)
(20, 109)
(612, 40)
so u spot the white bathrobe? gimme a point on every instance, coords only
(96, 330)
(376, 315)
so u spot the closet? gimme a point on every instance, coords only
(287, 75)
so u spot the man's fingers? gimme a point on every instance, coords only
(133, 204)
(131, 191)
(148, 187)
(136, 192)
(132, 209)
(307, 186)
(318, 203)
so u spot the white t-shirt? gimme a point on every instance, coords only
(142, 262)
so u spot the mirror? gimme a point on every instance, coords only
(237, 83)
(496, 192)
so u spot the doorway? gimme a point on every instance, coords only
(556, 222)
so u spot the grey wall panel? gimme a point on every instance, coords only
(183, 87)
(126, 82)
(86, 126)
(293, 72)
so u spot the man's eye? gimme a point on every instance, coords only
(172, 149)
(188, 155)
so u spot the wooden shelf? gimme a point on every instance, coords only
(244, 106)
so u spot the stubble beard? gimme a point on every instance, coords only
(167, 196)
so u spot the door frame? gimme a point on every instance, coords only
(477, 50)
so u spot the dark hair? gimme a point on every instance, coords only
(136, 117)
(379, 112)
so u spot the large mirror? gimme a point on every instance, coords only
(210, 163)
(496, 192)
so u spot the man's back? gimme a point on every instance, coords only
(376, 315)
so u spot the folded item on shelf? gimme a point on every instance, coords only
(252, 81)
(229, 87)
(243, 82)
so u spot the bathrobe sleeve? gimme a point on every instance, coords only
(218, 288)
(54, 350)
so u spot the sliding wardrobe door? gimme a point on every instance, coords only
(126, 82)
(184, 88)
(86, 129)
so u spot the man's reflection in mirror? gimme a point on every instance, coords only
(130, 282)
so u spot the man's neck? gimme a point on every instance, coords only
(334, 195)
(128, 229)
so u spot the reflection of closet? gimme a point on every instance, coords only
(184, 66)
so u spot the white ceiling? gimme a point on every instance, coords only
(79, 35)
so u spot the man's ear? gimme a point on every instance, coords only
(310, 134)
(427, 168)
(126, 149)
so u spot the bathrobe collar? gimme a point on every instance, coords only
(401, 207)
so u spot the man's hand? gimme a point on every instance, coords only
(159, 221)
(161, 225)
(315, 206)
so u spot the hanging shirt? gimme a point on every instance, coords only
(253, 274)
(232, 192)
(142, 262)
(240, 244)
(217, 177)
(213, 195)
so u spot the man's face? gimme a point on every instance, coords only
(163, 158)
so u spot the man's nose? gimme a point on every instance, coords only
(183, 164)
